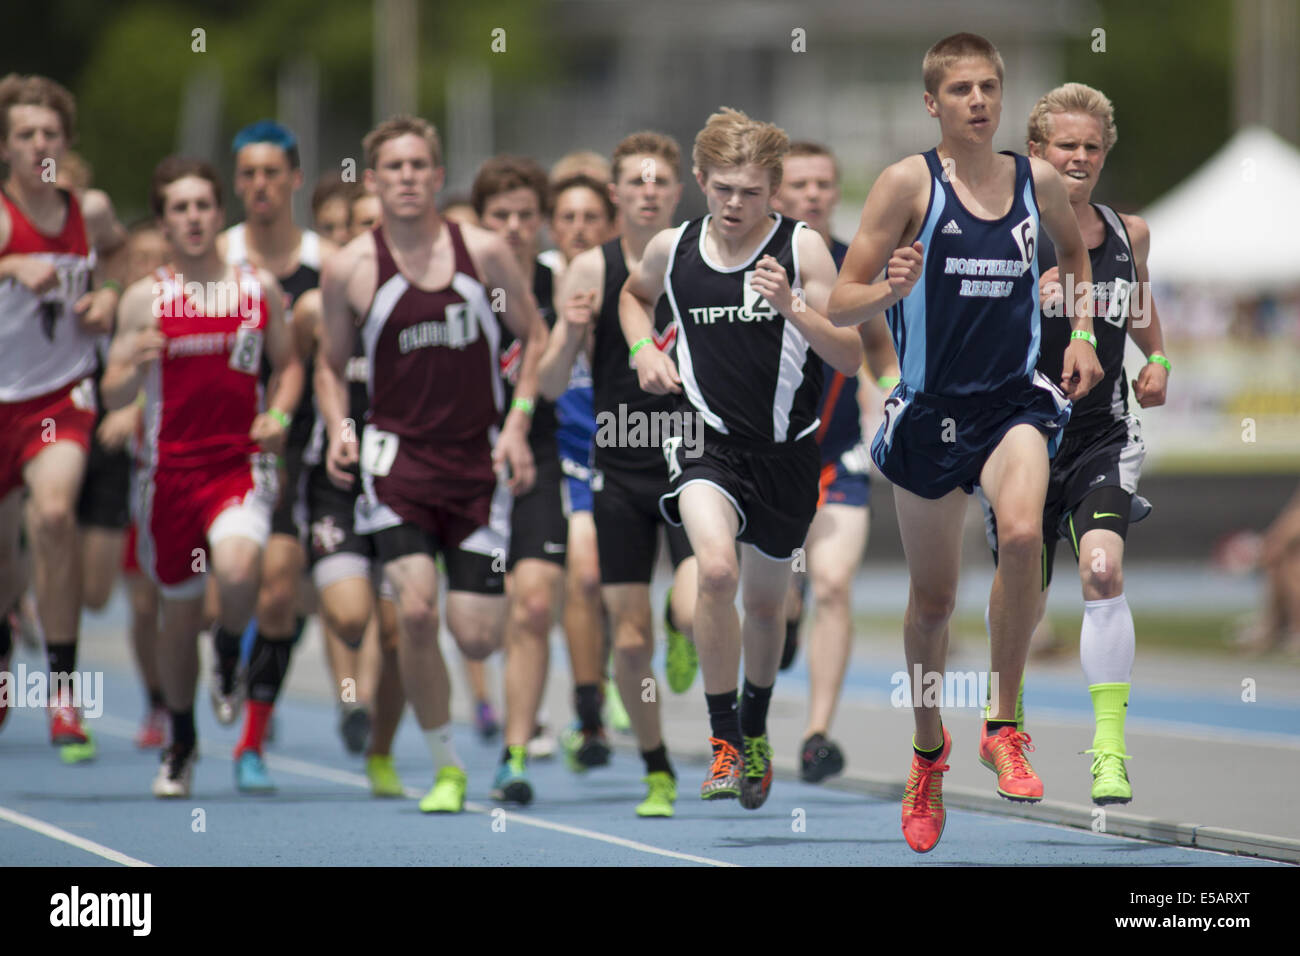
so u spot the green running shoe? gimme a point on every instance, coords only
(448, 793)
(79, 753)
(756, 784)
(1109, 778)
(683, 662)
(661, 794)
(511, 784)
(384, 781)
(615, 713)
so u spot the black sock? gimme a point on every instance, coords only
(183, 735)
(156, 698)
(267, 665)
(586, 701)
(930, 755)
(6, 636)
(995, 725)
(226, 644)
(753, 709)
(505, 754)
(62, 658)
(724, 718)
(657, 761)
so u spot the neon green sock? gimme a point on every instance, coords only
(1110, 705)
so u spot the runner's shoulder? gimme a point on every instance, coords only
(911, 174)
(1139, 233)
(136, 308)
(486, 248)
(103, 229)
(343, 263)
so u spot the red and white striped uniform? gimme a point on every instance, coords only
(201, 478)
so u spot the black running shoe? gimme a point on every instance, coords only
(821, 759)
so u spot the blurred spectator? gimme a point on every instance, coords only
(1278, 627)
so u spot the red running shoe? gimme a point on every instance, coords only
(923, 814)
(65, 724)
(1004, 754)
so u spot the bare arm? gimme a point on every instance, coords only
(1080, 370)
(878, 270)
(839, 346)
(286, 370)
(578, 302)
(878, 348)
(107, 237)
(655, 371)
(346, 278)
(136, 343)
(307, 333)
(522, 318)
(1144, 320)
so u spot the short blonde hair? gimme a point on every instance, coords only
(730, 139)
(940, 57)
(585, 161)
(1073, 98)
(396, 126)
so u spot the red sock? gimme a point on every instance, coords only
(256, 717)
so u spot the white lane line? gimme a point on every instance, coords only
(63, 836)
(121, 728)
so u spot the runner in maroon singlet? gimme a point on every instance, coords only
(426, 295)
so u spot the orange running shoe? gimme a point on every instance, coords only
(724, 776)
(923, 814)
(1004, 754)
(65, 723)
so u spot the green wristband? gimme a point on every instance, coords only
(279, 416)
(887, 382)
(640, 344)
(1086, 336)
(1160, 360)
(523, 404)
(112, 284)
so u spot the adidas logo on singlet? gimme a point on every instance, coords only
(952, 229)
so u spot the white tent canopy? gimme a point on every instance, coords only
(1235, 222)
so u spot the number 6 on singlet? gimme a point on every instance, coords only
(378, 451)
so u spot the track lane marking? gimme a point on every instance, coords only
(63, 836)
(121, 728)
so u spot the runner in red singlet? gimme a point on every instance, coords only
(193, 336)
(49, 321)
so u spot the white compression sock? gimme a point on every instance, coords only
(1106, 643)
(442, 748)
